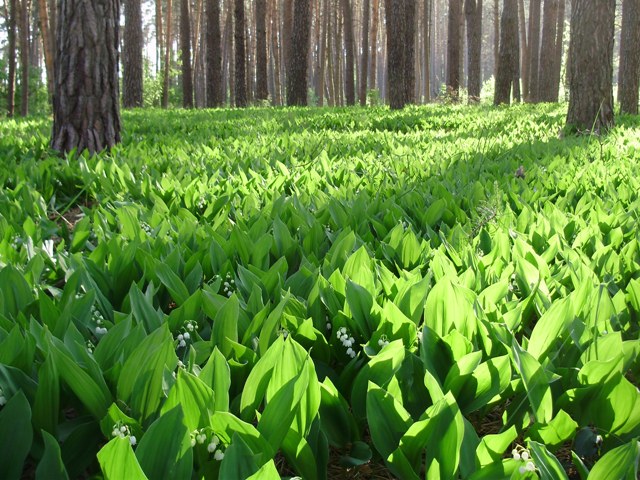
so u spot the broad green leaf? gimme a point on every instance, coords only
(493, 446)
(16, 434)
(239, 461)
(51, 466)
(535, 382)
(195, 398)
(164, 452)
(620, 463)
(548, 465)
(388, 420)
(118, 461)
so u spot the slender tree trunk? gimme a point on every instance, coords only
(534, 50)
(364, 58)
(132, 55)
(86, 114)
(323, 52)
(426, 53)
(558, 51)
(159, 38)
(167, 59)
(47, 45)
(240, 57)
(375, 15)
(496, 36)
(214, 57)
(473, 12)
(347, 25)
(11, 80)
(276, 54)
(396, 29)
(629, 57)
(23, 29)
(524, 51)
(591, 65)
(185, 48)
(508, 63)
(453, 49)
(298, 54)
(545, 74)
(287, 25)
(409, 51)
(262, 88)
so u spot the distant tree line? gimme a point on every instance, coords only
(210, 53)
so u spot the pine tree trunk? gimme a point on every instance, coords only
(25, 36)
(262, 88)
(524, 51)
(167, 59)
(473, 12)
(159, 38)
(409, 51)
(453, 49)
(591, 65)
(508, 63)
(375, 15)
(214, 55)
(349, 80)
(240, 58)
(298, 54)
(364, 58)
(185, 49)
(558, 51)
(426, 54)
(132, 55)
(496, 36)
(43, 17)
(534, 50)
(545, 74)
(287, 25)
(276, 54)
(86, 114)
(629, 57)
(11, 80)
(394, 10)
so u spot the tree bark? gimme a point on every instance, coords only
(349, 80)
(167, 59)
(473, 12)
(375, 15)
(591, 65)
(298, 54)
(25, 36)
(132, 55)
(287, 25)
(11, 80)
(629, 57)
(508, 63)
(47, 45)
(524, 51)
(240, 57)
(409, 51)
(558, 51)
(396, 28)
(534, 49)
(545, 73)
(426, 54)
(86, 114)
(214, 55)
(159, 38)
(496, 36)
(262, 87)
(364, 58)
(453, 49)
(185, 49)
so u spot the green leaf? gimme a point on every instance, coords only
(267, 472)
(535, 383)
(195, 398)
(553, 434)
(621, 463)
(169, 279)
(548, 465)
(51, 466)
(239, 461)
(493, 446)
(216, 374)
(16, 434)
(165, 450)
(387, 418)
(117, 461)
